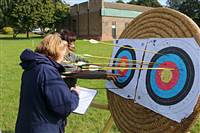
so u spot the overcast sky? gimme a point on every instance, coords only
(72, 2)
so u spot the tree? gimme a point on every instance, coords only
(149, 3)
(1, 19)
(119, 1)
(62, 15)
(188, 7)
(29, 14)
(46, 14)
(133, 2)
(23, 16)
(5, 8)
(174, 3)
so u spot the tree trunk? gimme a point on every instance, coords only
(27, 34)
(14, 35)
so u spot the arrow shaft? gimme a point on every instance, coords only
(137, 69)
(117, 59)
(115, 45)
(126, 68)
(107, 64)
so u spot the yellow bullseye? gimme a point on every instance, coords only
(166, 76)
(123, 64)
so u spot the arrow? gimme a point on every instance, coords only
(116, 59)
(95, 68)
(92, 41)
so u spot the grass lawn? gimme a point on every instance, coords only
(10, 73)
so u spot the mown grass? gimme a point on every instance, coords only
(10, 75)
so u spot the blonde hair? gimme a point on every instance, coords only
(51, 46)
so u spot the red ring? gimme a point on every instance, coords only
(173, 81)
(123, 59)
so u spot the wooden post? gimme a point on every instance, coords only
(109, 122)
(108, 125)
(99, 106)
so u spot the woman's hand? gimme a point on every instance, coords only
(76, 89)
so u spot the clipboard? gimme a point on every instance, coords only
(85, 98)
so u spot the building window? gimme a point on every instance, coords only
(114, 30)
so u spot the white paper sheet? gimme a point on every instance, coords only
(85, 98)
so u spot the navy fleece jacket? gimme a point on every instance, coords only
(45, 99)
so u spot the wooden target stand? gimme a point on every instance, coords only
(109, 122)
(130, 117)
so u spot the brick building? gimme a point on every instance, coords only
(102, 20)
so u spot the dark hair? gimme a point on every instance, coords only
(68, 36)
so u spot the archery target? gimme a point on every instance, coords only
(172, 92)
(124, 56)
(168, 87)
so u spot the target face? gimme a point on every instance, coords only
(173, 91)
(168, 87)
(125, 59)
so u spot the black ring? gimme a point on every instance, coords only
(187, 86)
(132, 52)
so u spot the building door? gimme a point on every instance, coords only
(114, 30)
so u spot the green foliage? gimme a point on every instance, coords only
(133, 2)
(188, 7)
(45, 14)
(7, 30)
(62, 15)
(1, 18)
(5, 5)
(5, 9)
(149, 3)
(119, 1)
(174, 3)
(25, 15)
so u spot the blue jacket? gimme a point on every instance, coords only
(45, 99)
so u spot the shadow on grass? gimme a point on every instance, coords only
(20, 38)
(9, 131)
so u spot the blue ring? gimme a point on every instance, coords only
(190, 74)
(123, 81)
(129, 56)
(180, 83)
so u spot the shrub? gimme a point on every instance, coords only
(7, 30)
